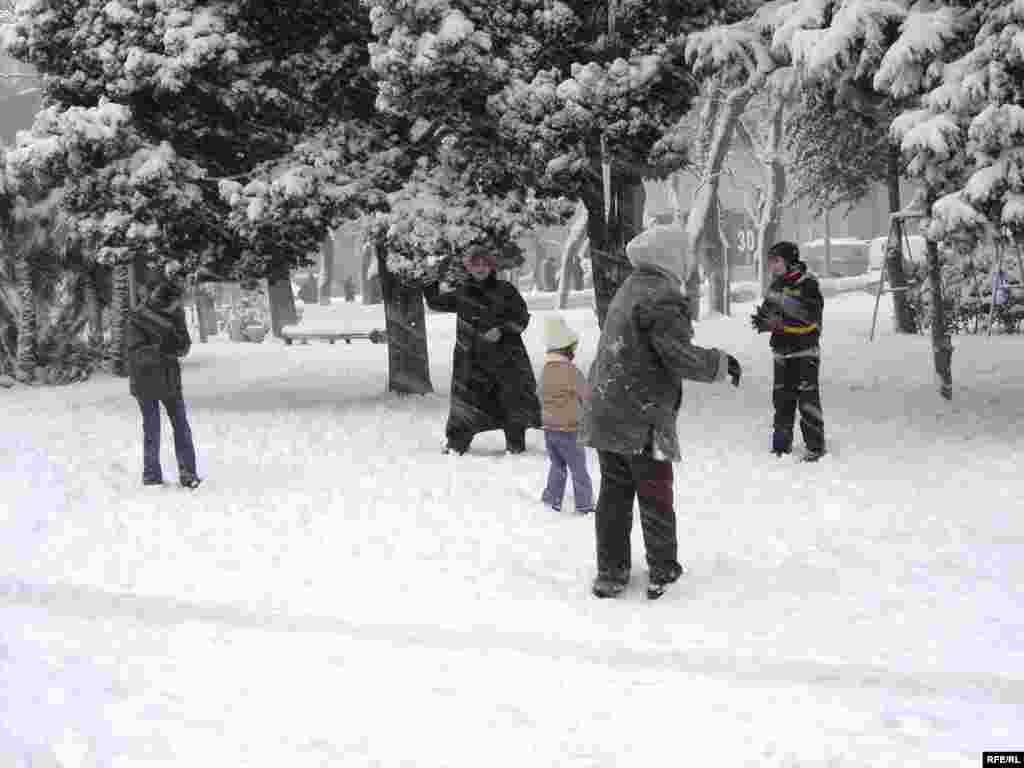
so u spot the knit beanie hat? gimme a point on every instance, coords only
(558, 334)
(662, 247)
(785, 250)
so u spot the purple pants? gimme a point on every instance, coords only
(566, 456)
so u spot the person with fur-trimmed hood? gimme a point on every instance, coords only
(792, 312)
(156, 337)
(645, 352)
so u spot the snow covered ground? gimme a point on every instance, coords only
(338, 593)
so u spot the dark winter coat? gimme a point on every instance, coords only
(795, 298)
(155, 341)
(643, 356)
(493, 386)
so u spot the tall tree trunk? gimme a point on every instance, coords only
(406, 326)
(95, 307)
(572, 251)
(770, 219)
(903, 319)
(120, 306)
(281, 302)
(609, 236)
(539, 258)
(28, 330)
(326, 269)
(369, 287)
(8, 338)
(1020, 259)
(718, 124)
(942, 345)
(827, 266)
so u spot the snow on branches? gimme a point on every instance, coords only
(122, 196)
(967, 142)
(286, 207)
(117, 49)
(959, 66)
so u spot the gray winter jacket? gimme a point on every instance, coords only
(642, 358)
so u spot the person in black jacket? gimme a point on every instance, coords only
(156, 338)
(792, 312)
(493, 385)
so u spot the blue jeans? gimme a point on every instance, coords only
(184, 450)
(566, 456)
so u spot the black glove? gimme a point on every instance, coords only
(735, 370)
(758, 318)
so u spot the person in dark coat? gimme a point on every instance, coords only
(493, 385)
(157, 336)
(644, 353)
(792, 312)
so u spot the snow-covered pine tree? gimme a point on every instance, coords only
(935, 52)
(573, 99)
(151, 106)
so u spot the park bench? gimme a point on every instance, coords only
(291, 334)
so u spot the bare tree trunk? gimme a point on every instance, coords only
(8, 336)
(27, 320)
(827, 267)
(717, 126)
(1020, 259)
(539, 258)
(609, 236)
(120, 305)
(770, 213)
(281, 302)
(942, 345)
(571, 253)
(95, 308)
(326, 270)
(369, 287)
(406, 326)
(903, 320)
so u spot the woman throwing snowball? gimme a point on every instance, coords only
(493, 386)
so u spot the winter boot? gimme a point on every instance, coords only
(190, 481)
(609, 584)
(782, 443)
(515, 441)
(660, 579)
(812, 456)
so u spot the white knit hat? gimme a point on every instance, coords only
(558, 334)
(663, 247)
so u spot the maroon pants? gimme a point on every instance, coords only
(623, 479)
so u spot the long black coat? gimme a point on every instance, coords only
(155, 341)
(493, 386)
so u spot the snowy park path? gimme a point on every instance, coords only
(339, 593)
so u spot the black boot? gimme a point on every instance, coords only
(659, 580)
(515, 440)
(610, 584)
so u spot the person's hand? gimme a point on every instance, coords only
(735, 370)
(492, 335)
(774, 324)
